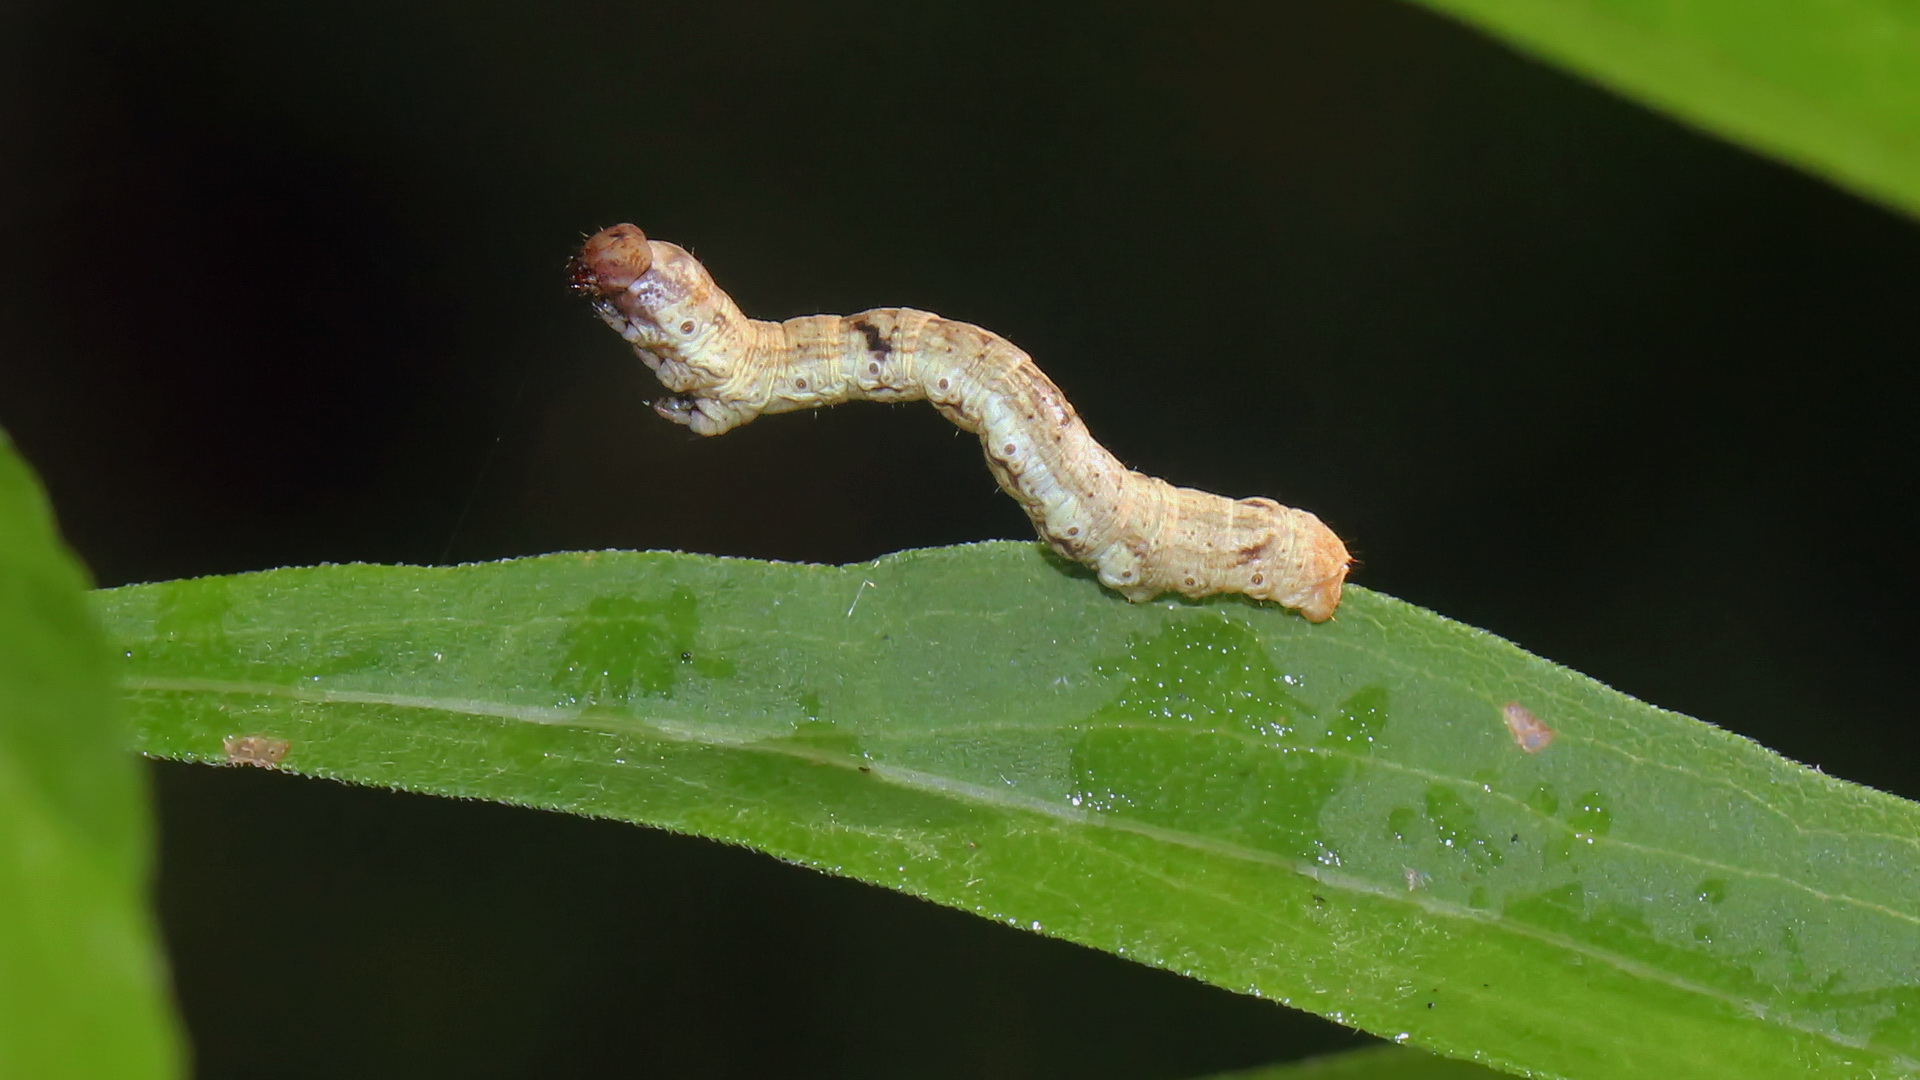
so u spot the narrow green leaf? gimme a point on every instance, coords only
(1831, 87)
(81, 992)
(1338, 817)
(1372, 1063)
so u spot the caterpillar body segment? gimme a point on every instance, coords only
(1143, 536)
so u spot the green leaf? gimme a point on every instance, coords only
(1336, 817)
(1831, 87)
(1372, 1063)
(81, 987)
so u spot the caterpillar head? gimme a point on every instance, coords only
(661, 300)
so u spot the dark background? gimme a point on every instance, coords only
(282, 283)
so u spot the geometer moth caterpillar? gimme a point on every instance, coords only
(1144, 536)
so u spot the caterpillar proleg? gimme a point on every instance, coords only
(1143, 536)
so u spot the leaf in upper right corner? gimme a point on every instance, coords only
(1833, 88)
(82, 990)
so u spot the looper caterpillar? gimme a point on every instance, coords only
(1144, 536)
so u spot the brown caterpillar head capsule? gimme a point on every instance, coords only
(662, 301)
(610, 261)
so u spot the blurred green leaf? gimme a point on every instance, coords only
(1831, 87)
(1372, 1063)
(81, 986)
(1337, 817)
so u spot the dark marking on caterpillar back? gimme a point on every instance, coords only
(876, 338)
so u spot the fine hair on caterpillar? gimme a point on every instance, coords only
(1143, 536)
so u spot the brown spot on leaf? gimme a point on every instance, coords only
(258, 750)
(1528, 732)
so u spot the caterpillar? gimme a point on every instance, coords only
(1144, 537)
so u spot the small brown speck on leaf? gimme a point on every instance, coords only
(1528, 732)
(261, 751)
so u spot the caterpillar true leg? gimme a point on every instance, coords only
(1143, 536)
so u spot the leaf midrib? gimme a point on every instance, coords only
(707, 735)
(1008, 801)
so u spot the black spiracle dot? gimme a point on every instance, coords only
(1010, 449)
(687, 327)
(799, 384)
(1259, 579)
(873, 369)
(943, 384)
(1073, 530)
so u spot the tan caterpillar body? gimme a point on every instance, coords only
(1144, 536)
